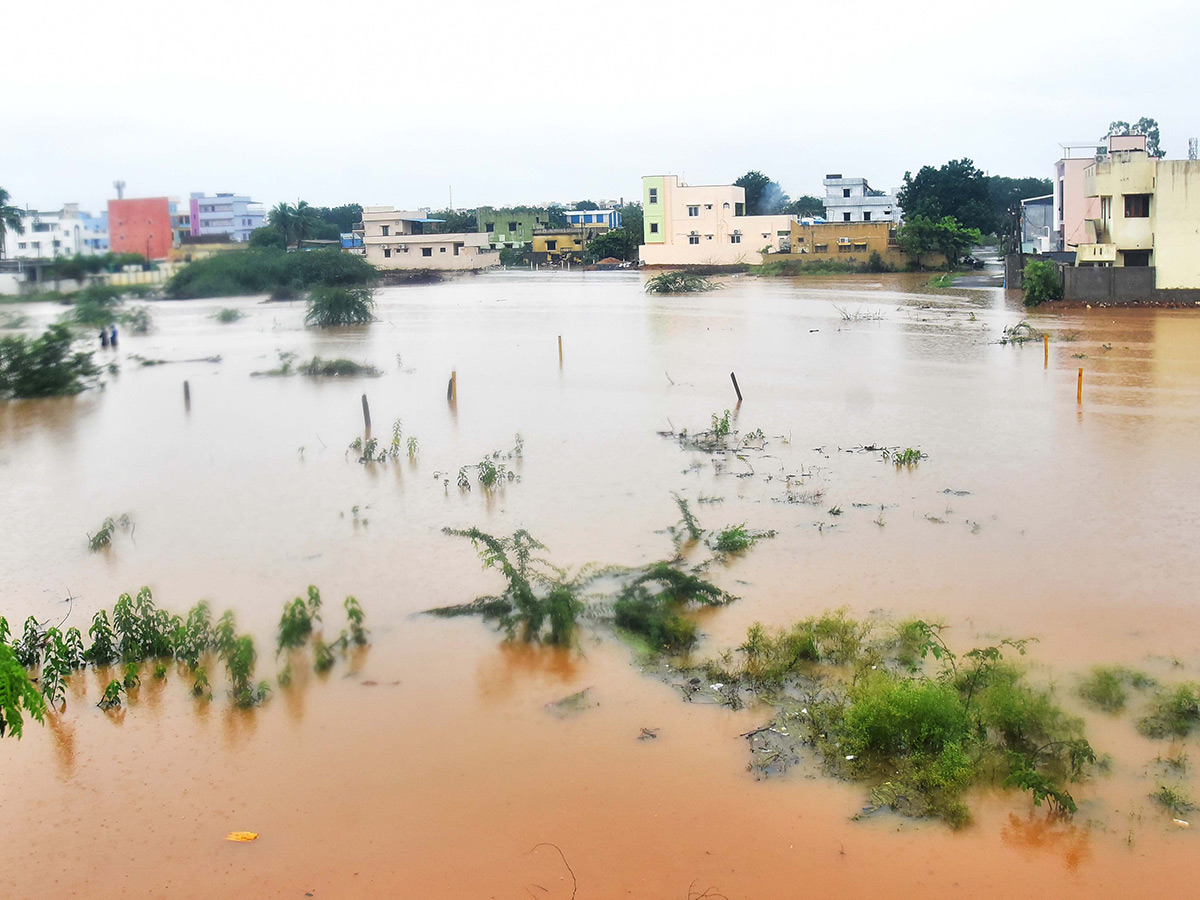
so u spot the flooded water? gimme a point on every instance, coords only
(428, 765)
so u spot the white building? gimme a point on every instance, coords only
(62, 232)
(234, 215)
(853, 200)
(401, 239)
(705, 225)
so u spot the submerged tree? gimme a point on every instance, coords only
(44, 366)
(332, 305)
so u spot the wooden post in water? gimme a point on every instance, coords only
(366, 413)
(452, 387)
(736, 389)
(1079, 388)
(560, 350)
(187, 396)
(1046, 344)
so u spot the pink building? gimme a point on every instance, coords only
(1072, 206)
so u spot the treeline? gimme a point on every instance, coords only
(268, 271)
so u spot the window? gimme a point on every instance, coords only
(782, 233)
(708, 206)
(1137, 206)
(489, 227)
(1106, 209)
(1136, 257)
(693, 210)
(654, 228)
(845, 217)
(866, 217)
(385, 230)
(512, 226)
(844, 248)
(845, 192)
(724, 206)
(653, 195)
(21, 246)
(387, 252)
(820, 248)
(441, 249)
(693, 238)
(766, 234)
(735, 238)
(739, 209)
(708, 237)
(427, 251)
(551, 245)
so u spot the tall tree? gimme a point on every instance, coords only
(920, 235)
(283, 217)
(10, 219)
(764, 197)
(806, 206)
(1144, 125)
(955, 189)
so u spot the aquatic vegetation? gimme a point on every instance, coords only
(854, 693)
(228, 315)
(1020, 333)
(332, 306)
(658, 622)
(44, 366)
(1105, 687)
(239, 664)
(319, 368)
(737, 539)
(111, 699)
(18, 696)
(1173, 712)
(355, 617)
(679, 283)
(138, 320)
(904, 458)
(1173, 799)
(104, 534)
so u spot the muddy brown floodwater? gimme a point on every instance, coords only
(429, 766)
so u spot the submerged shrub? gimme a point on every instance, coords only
(655, 619)
(1174, 712)
(18, 696)
(331, 306)
(678, 283)
(889, 716)
(44, 366)
(1041, 282)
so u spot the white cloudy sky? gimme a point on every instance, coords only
(394, 102)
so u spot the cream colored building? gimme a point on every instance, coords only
(402, 239)
(705, 225)
(1148, 215)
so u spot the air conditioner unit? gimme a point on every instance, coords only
(843, 240)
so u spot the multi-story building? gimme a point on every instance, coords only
(1148, 214)
(558, 245)
(140, 225)
(610, 218)
(402, 239)
(181, 220)
(510, 227)
(853, 200)
(705, 225)
(234, 215)
(1072, 206)
(62, 232)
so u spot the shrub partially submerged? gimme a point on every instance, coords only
(331, 306)
(44, 366)
(679, 283)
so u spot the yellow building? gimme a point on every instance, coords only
(848, 242)
(556, 245)
(1149, 215)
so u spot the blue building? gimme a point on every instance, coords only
(580, 217)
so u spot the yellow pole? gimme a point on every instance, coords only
(1046, 344)
(1079, 388)
(560, 349)
(454, 384)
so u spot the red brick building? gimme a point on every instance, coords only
(140, 225)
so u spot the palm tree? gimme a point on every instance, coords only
(283, 217)
(305, 218)
(10, 218)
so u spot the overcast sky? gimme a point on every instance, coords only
(509, 102)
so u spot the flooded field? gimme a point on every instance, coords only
(428, 765)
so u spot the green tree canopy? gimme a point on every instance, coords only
(457, 221)
(586, 204)
(920, 235)
(764, 197)
(806, 206)
(955, 189)
(1146, 126)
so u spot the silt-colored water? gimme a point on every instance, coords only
(428, 766)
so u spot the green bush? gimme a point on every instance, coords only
(331, 306)
(43, 366)
(678, 283)
(1041, 282)
(652, 617)
(889, 716)
(268, 271)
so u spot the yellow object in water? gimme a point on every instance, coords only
(242, 836)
